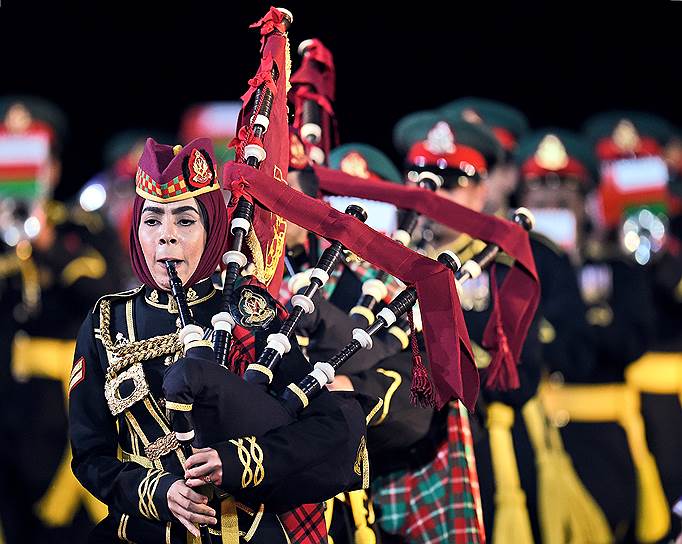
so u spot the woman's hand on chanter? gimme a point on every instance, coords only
(189, 507)
(204, 467)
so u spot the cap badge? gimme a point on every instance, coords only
(440, 140)
(200, 171)
(18, 118)
(625, 136)
(551, 153)
(471, 116)
(355, 165)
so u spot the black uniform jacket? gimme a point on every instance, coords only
(123, 449)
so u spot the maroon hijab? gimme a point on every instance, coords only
(165, 176)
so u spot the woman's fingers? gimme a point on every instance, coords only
(193, 495)
(199, 471)
(199, 458)
(191, 528)
(190, 507)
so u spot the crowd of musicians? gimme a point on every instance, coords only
(265, 335)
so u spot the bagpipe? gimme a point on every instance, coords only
(297, 396)
(207, 402)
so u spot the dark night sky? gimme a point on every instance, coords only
(113, 66)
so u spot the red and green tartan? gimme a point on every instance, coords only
(305, 524)
(439, 503)
(174, 187)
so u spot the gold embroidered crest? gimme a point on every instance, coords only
(201, 173)
(116, 402)
(254, 309)
(154, 296)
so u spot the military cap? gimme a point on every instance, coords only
(557, 154)
(363, 161)
(507, 123)
(19, 113)
(417, 126)
(626, 134)
(164, 176)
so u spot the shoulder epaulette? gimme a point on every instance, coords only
(123, 295)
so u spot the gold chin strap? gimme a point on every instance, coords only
(511, 513)
(617, 403)
(564, 505)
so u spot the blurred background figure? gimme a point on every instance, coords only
(508, 125)
(601, 424)
(53, 268)
(214, 120)
(636, 215)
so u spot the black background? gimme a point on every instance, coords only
(113, 66)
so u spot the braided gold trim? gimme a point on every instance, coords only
(122, 527)
(130, 322)
(250, 476)
(145, 493)
(178, 406)
(118, 404)
(130, 353)
(361, 466)
(256, 522)
(374, 410)
(161, 446)
(263, 369)
(296, 390)
(139, 459)
(197, 344)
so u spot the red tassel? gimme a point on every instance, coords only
(421, 390)
(501, 373)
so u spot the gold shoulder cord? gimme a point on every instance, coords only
(133, 352)
(122, 357)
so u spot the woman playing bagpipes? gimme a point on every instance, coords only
(123, 447)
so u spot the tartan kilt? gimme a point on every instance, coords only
(440, 502)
